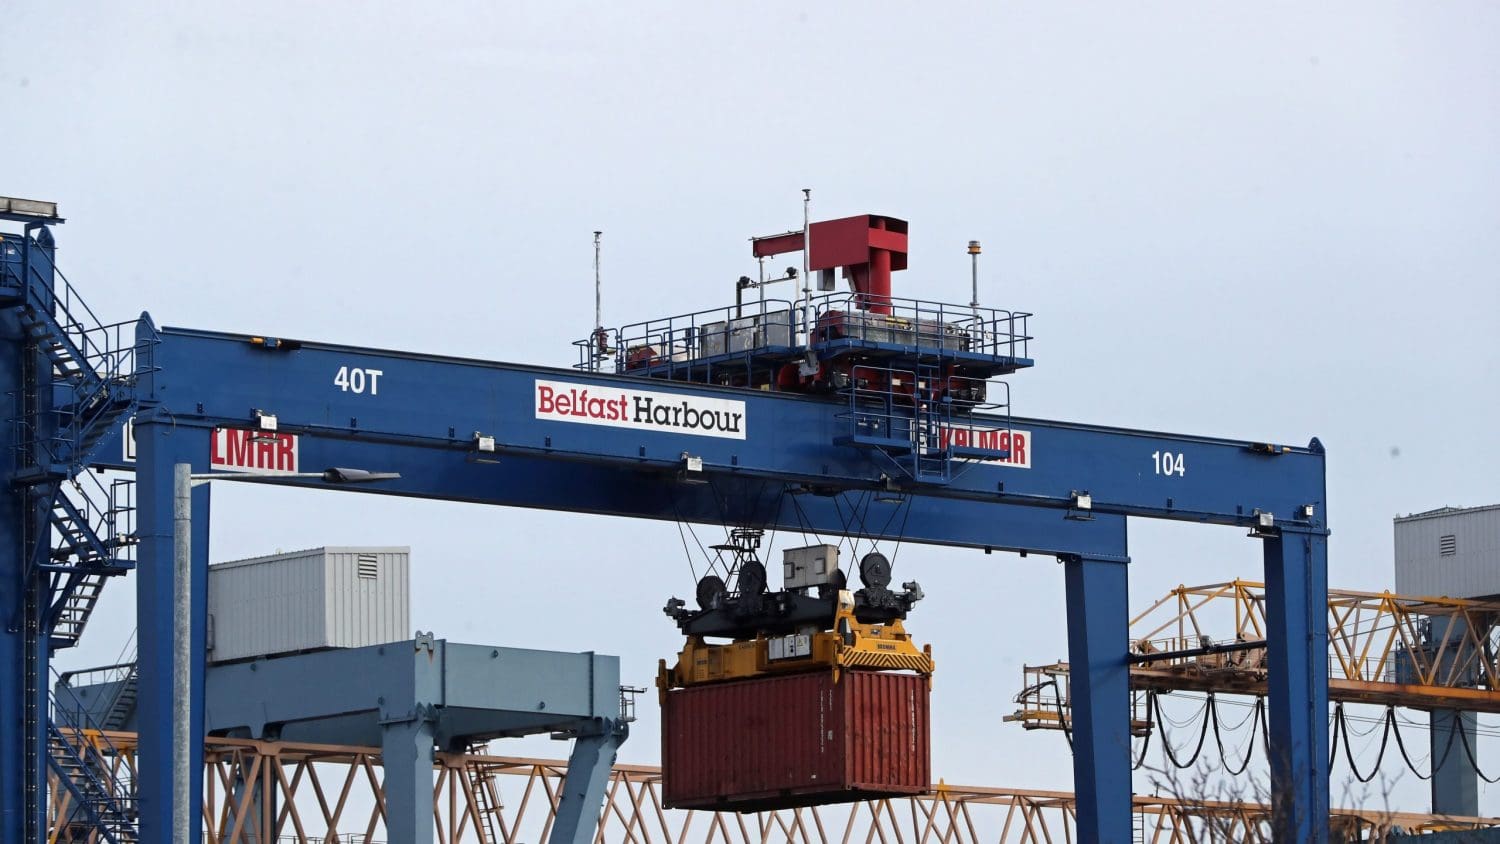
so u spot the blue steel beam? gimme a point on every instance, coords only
(323, 388)
(772, 459)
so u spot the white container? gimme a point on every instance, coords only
(1453, 552)
(308, 600)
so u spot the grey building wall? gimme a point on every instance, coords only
(1452, 552)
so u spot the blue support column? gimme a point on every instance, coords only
(406, 755)
(1099, 686)
(1297, 682)
(583, 789)
(161, 444)
(1455, 783)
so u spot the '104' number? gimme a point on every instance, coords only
(1168, 463)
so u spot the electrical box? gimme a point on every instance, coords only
(713, 339)
(790, 646)
(759, 331)
(810, 566)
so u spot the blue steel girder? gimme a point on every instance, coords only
(406, 399)
(777, 465)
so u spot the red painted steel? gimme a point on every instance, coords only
(797, 740)
(869, 246)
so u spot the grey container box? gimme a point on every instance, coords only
(760, 330)
(1452, 552)
(713, 339)
(333, 597)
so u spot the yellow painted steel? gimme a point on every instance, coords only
(851, 644)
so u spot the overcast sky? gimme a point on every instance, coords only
(1270, 222)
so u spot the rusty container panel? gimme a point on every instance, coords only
(795, 740)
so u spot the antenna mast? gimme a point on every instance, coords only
(598, 291)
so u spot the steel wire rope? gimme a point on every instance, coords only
(859, 510)
(1463, 736)
(1406, 757)
(1190, 721)
(1375, 724)
(1062, 719)
(1333, 738)
(1343, 726)
(901, 534)
(856, 511)
(1166, 742)
(677, 514)
(1248, 715)
(845, 521)
(1150, 728)
(1249, 751)
(803, 523)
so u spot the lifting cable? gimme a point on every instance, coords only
(1249, 752)
(1150, 728)
(1463, 736)
(1062, 719)
(1401, 746)
(803, 523)
(1166, 743)
(677, 514)
(1341, 722)
(847, 521)
(1436, 764)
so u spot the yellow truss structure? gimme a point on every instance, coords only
(1376, 650)
(325, 793)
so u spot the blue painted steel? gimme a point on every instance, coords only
(15, 801)
(161, 446)
(442, 402)
(1098, 641)
(1455, 783)
(1296, 571)
(406, 756)
(26, 275)
(468, 691)
(421, 418)
(589, 767)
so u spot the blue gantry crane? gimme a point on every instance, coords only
(771, 414)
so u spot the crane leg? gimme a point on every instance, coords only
(1099, 687)
(1297, 682)
(589, 768)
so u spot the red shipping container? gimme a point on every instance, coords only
(796, 740)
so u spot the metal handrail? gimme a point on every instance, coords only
(674, 339)
(929, 324)
(89, 736)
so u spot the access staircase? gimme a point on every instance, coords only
(91, 769)
(924, 422)
(79, 387)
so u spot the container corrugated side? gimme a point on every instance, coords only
(367, 596)
(309, 600)
(266, 605)
(797, 740)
